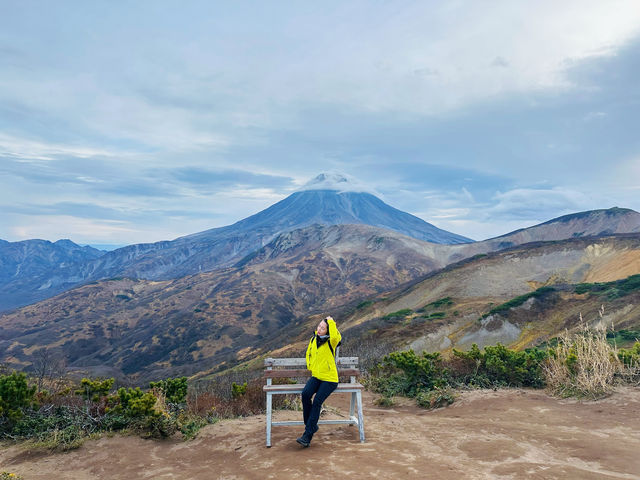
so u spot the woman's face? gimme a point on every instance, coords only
(322, 328)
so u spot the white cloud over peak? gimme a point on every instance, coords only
(340, 182)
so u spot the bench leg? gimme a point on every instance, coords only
(352, 404)
(360, 416)
(268, 420)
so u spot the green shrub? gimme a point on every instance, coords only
(517, 301)
(500, 366)
(134, 403)
(238, 390)
(10, 476)
(440, 397)
(94, 389)
(174, 389)
(630, 357)
(623, 336)
(15, 395)
(58, 429)
(405, 373)
(443, 302)
(612, 290)
(364, 304)
(400, 313)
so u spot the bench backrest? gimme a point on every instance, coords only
(347, 362)
(297, 367)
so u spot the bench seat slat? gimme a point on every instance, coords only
(298, 387)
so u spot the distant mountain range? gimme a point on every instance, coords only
(23, 281)
(227, 294)
(188, 325)
(33, 270)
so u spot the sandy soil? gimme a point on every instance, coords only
(485, 434)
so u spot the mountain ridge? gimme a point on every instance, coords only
(220, 247)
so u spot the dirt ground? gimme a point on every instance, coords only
(505, 434)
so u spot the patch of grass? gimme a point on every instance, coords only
(583, 364)
(400, 313)
(612, 290)
(364, 304)
(437, 315)
(623, 336)
(517, 301)
(443, 302)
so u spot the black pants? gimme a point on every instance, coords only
(311, 411)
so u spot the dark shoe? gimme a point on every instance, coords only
(304, 440)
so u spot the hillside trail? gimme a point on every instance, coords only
(485, 434)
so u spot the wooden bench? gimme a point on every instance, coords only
(297, 368)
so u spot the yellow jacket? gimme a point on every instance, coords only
(321, 361)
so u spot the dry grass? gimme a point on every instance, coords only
(583, 364)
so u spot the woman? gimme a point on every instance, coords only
(324, 375)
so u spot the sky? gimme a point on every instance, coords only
(137, 121)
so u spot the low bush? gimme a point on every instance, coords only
(15, 396)
(429, 378)
(440, 397)
(238, 390)
(442, 302)
(499, 366)
(173, 389)
(612, 290)
(399, 314)
(94, 389)
(623, 336)
(64, 420)
(405, 373)
(630, 357)
(10, 476)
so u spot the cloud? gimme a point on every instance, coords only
(338, 181)
(26, 150)
(163, 110)
(213, 179)
(500, 62)
(539, 204)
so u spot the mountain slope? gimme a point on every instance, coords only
(591, 223)
(583, 224)
(28, 269)
(192, 323)
(476, 286)
(222, 247)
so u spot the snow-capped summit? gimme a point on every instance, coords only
(339, 182)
